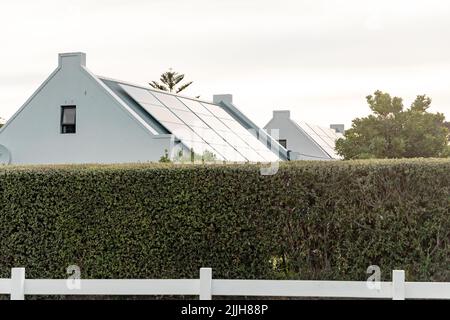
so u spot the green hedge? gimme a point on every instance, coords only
(311, 220)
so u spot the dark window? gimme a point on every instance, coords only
(283, 143)
(68, 119)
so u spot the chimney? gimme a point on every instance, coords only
(228, 98)
(339, 128)
(72, 59)
(281, 114)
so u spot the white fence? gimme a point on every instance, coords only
(18, 287)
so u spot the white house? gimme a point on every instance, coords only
(305, 141)
(76, 116)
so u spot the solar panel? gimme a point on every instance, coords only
(217, 111)
(321, 138)
(170, 101)
(195, 122)
(234, 126)
(324, 134)
(329, 142)
(233, 139)
(260, 147)
(141, 95)
(225, 132)
(253, 142)
(195, 106)
(171, 121)
(215, 123)
(229, 153)
(269, 154)
(203, 127)
(190, 118)
(161, 113)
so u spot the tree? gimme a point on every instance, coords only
(393, 132)
(169, 81)
(447, 124)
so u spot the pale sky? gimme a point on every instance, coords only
(318, 58)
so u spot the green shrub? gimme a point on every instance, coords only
(311, 220)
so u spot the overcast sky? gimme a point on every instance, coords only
(318, 58)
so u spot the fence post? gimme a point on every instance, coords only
(18, 284)
(398, 285)
(205, 283)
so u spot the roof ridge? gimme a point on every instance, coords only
(153, 89)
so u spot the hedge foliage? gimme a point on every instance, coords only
(311, 220)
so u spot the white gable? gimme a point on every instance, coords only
(106, 131)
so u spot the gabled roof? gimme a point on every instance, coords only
(202, 126)
(305, 140)
(218, 128)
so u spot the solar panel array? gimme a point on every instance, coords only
(324, 137)
(202, 127)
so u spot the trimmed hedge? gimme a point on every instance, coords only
(311, 220)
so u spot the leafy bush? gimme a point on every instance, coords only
(392, 131)
(311, 220)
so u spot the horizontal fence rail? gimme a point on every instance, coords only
(205, 287)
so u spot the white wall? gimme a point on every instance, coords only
(105, 131)
(301, 146)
